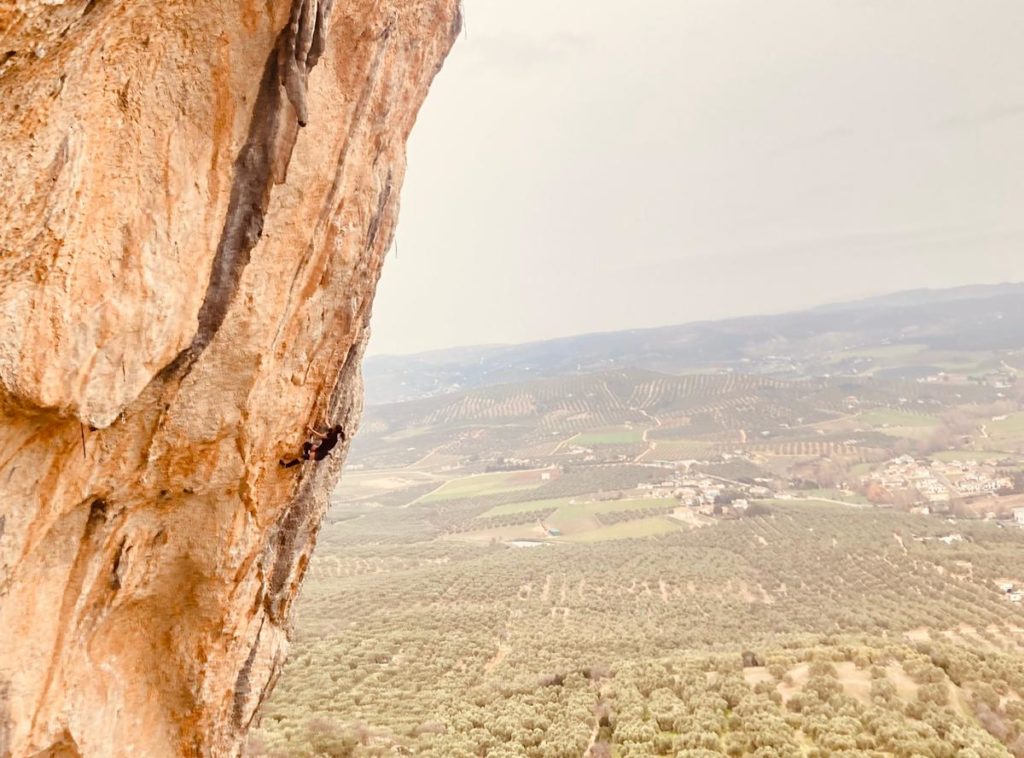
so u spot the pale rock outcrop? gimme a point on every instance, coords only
(186, 277)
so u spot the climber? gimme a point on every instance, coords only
(317, 450)
(328, 441)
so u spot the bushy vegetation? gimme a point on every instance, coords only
(558, 573)
(813, 630)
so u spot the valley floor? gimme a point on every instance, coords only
(810, 629)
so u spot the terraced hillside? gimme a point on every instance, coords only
(631, 407)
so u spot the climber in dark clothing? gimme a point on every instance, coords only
(328, 441)
(317, 450)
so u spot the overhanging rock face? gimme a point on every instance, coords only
(186, 278)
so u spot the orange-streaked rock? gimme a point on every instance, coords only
(186, 278)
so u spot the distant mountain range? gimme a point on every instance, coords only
(918, 325)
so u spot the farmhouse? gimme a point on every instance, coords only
(1018, 515)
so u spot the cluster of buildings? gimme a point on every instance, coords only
(709, 495)
(938, 482)
(688, 490)
(997, 379)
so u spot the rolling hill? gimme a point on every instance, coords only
(906, 334)
(625, 408)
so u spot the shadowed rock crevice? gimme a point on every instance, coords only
(243, 685)
(261, 163)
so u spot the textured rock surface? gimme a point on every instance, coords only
(186, 277)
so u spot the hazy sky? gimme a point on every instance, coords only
(588, 165)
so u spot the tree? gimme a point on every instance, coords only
(328, 739)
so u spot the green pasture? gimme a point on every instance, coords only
(617, 435)
(969, 455)
(889, 418)
(679, 450)
(485, 484)
(846, 497)
(1011, 427)
(648, 527)
(883, 352)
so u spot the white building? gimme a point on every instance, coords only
(1018, 515)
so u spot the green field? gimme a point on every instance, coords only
(970, 455)
(570, 510)
(618, 435)
(648, 527)
(485, 484)
(803, 501)
(862, 469)
(920, 355)
(577, 519)
(524, 507)
(882, 352)
(612, 506)
(679, 450)
(1012, 427)
(887, 417)
(846, 497)
(963, 361)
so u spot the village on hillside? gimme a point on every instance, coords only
(991, 488)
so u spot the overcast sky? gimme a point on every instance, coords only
(588, 165)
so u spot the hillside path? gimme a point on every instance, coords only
(652, 445)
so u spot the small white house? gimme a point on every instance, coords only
(1018, 515)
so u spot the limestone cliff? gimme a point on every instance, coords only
(195, 202)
